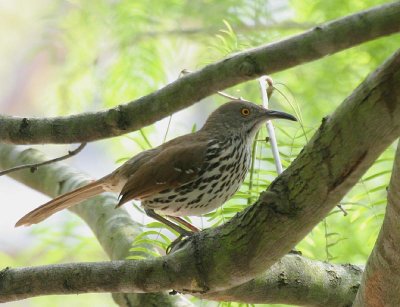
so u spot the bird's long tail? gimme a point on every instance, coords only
(62, 202)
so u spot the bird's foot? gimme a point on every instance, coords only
(174, 244)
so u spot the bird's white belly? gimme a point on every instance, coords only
(209, 192)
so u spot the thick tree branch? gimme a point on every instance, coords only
(114, 228)
(381, 280)
(293, 280)
(326, 39)
(344, 147)
(299, 281)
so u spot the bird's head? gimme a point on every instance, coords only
(241, 117)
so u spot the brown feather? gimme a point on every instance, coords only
(175, 165)
(62, 202)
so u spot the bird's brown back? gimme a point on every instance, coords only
(166, 166)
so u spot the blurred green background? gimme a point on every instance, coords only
(65, 57)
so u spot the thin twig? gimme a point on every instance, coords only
(268, 91)
(223, 94)
(253, 159)
(342, 209)
(267, 87)
(33, 167)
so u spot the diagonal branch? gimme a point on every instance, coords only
(311, 45)
(344, 147)
(381, 280)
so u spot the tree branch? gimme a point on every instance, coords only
(299, 281)
(381, 280)
(344, 147)
(311, 45)
(293, 280)
(114, 228)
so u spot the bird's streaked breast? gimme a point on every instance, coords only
(224, 170)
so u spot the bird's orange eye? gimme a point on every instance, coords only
(245, 111)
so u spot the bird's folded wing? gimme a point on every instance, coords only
(172, 167)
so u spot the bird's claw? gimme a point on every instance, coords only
(176, 242)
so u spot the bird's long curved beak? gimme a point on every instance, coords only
(277, 114)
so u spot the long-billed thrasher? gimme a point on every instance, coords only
(190, 175)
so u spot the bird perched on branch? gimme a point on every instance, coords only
(190, 175)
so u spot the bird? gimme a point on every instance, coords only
(190, 175)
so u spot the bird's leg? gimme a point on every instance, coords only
(184, 223)
(175, 227)
(180, 238)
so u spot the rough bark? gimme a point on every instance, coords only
(299, 281)
(344, 147)
(292, 280)
(381, 280)
(311, 45)
(114, 228)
